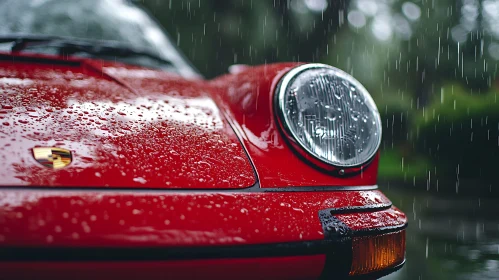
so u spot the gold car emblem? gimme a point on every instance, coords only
(52, 157)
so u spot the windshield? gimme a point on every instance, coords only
(97, 20)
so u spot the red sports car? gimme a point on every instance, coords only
(120, 161)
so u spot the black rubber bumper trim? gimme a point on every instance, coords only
(378, 231)
(72, 254)
(359, 209)
(338, 262)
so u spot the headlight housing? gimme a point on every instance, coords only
(329, 115)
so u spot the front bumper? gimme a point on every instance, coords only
(185, 231)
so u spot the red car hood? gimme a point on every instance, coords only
(127, 127)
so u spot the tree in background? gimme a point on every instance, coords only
(216, 34)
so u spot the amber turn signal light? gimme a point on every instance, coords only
(377, 252)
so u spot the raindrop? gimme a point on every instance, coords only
(337, 94)
(355, 115)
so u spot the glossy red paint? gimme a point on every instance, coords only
(138, 131)
(140, 128)
(141, 219)
(127, 127)
(289, 268)
(247, 100)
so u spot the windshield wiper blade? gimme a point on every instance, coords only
(20, 42)
(68, 46)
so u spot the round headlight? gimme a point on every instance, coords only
(329, 114)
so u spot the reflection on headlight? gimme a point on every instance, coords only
(330, 114)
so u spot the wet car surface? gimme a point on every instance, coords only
(120, 158)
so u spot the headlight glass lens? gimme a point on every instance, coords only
(330, 114)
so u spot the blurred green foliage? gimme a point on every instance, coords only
(459, 132)
(395, 165)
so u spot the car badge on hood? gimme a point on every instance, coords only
(52, 157)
